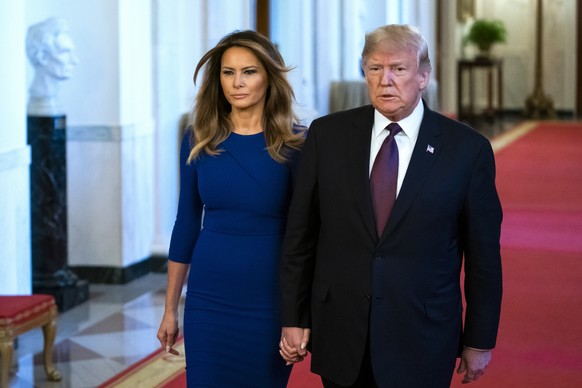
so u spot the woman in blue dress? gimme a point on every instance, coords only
(236, 164)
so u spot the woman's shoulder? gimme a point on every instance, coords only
(187, 143)
(187, 139)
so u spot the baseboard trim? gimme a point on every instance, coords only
(564, 114)
(118, 275)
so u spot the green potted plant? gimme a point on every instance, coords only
(485, 33)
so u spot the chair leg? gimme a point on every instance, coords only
(49, 331)
(6, 349)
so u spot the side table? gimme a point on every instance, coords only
(491, 66)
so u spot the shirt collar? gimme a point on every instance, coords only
(410, 125)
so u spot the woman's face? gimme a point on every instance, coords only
(243, 79)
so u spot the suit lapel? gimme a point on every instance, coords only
(425, 153)
(358, 161)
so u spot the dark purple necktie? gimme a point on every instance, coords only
(384, 178)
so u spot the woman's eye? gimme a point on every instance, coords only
(250, 71)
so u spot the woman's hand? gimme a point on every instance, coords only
(293, 344)
(168, 332)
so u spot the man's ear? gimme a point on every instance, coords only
(42, 57)
(424, 78)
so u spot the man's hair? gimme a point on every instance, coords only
(401, 37)
(42, 36)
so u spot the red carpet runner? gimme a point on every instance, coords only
(539, 177)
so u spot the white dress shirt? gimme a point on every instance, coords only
(405, 139)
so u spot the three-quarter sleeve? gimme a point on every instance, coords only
(189, 216)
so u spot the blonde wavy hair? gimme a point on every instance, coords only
(210, 123)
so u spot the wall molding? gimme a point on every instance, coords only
(118, 275)
(104, 133)
(14, 158)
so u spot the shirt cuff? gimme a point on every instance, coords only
(478, 350)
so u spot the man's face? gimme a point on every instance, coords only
(394, 81)
(62, 60)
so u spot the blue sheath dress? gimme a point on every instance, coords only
(231, 218)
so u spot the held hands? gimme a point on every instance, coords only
(473, 364)
(294, 340)
(293, 344)
(168, 333)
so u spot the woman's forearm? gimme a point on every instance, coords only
(176, 276)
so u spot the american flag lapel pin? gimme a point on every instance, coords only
(430, 149)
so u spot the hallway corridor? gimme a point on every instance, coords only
(97, 339)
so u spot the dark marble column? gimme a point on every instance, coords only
(48, 197)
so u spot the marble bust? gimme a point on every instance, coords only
(51, 52)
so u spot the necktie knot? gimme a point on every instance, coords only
(394, 128)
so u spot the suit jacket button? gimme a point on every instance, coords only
(367, 298)
(378, 258)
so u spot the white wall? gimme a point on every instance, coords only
(15, 275)
(298, 51)
(108, 102)
(170, 33)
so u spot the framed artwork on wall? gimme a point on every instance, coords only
(465, 10)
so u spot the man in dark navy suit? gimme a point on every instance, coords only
(375, 296)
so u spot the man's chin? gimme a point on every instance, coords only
(388, 111)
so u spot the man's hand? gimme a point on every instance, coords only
(293, 344)
(473, 364)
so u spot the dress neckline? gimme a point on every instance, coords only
(242, 135)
